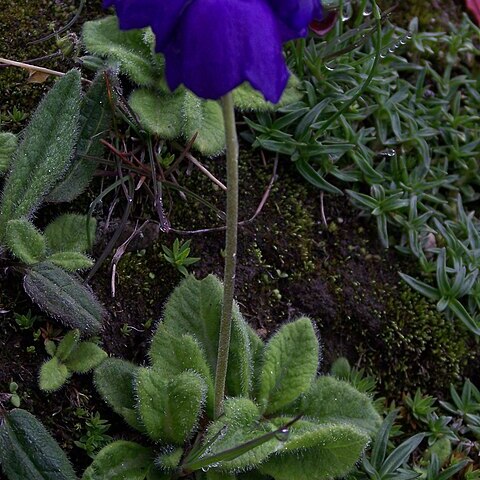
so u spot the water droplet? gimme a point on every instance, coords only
(347, 11)
(390, 152)
(409, 36)
(282, 435)
(367, 11)
(330, 66)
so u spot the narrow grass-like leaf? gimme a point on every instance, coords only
(422, 287)
(63, 297)
(290, 363)
(27, 450)
(45, 151)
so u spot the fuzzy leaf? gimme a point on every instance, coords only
(8, 145)
(27, 450)
(194, 308)
(45, 151)
(95, 118)
(316, 452)
(158, 113)
(169, 408)
(25, 241)
(53, 375)
(172, 355)
(114, 381)
(68, 344)
(290, 365)
(63, 297)
(85, 357)
(70, 232)
(248, 99)
(241, 423)
(120, 460)
(70, 261)
(204, 118)
(333, 401)
(130, 49)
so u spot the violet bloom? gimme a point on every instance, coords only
(213, 46)
(474, 7)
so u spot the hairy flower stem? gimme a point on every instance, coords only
(230, 251)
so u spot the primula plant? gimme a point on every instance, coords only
(280, 419)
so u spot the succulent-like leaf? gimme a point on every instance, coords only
(70, 233)
(290, 363)
(160, 114)
(70, 261)
(194, 308)
(316, 452)
(63, 297)
(172, 355)
(169, 407)
(68, 344)
(114, 381)
(53, 375)
(120, 460)
(95, 117)
(45, 151)
(8, 145)
(25, 241)
(334, 401)
(127, 48)
(27, 450)
(204, 118)
(240, 424)
(85, 357)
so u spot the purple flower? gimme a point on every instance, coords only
(213, 46)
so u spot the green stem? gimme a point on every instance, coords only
(230, 251)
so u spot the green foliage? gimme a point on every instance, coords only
(45, 151)
(95, 436)
(95, 118)
(178, 256)
(8, 145)
(70, 233)
(168, 398)
(25, 241)
(290, 362)
(70, 356)
(63, 297)
(27, 451)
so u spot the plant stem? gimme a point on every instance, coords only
(230, 251)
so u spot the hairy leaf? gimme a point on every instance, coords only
(70, 232)
(204, 118)
(25, 241)
(95, 118)
(127, 48)
(169, 407)
(8, 145)
(158, 113)
(27, 450)
(85, 357)
(316, 452)
(53, 375)
(68, 344)
(70, 261)
(289, 366)
(172, 355)
(194, 308)
(63, 297)
(45, 151)
(120, 460)
(114, 381)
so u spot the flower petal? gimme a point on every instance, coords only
(219, 44)
(161, 15)
(474, 7)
